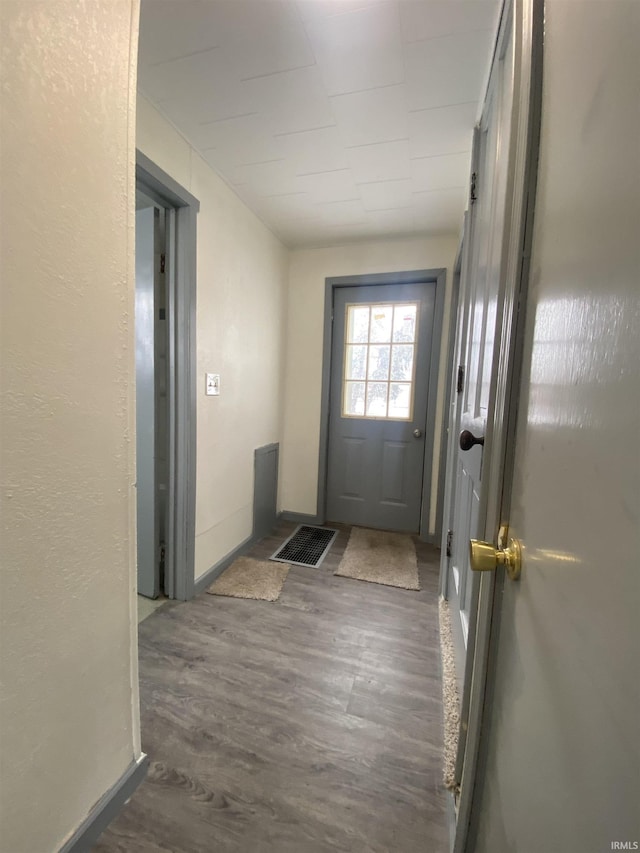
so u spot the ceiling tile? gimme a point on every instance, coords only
(445, 71)
(446, 130)
(431, 20)
(313, 11)
(365, 118)
(314, 150)
(191, 113)
(386, 195)
(333, 120)
(195, 75)
(282, 49)
(168, 31)
(384, 161)
(330, 186)
(341, 212)
(441, 172)
(293, 101)
(239, 141)
(402, 219)
(172, 29)
(359, 50)
(271, 178)
(439, 210)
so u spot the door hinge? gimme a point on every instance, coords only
(472, 195)
(460, 381)
(449, 543)
(162, 261)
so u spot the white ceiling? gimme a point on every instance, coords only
(333, 120)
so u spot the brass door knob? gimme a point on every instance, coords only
(485, 557)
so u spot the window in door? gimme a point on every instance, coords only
(379, 362)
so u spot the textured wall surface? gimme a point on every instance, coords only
(305, 328)
(69, 722)
(564, 762)
(241, 292)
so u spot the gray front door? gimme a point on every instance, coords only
(380, 364)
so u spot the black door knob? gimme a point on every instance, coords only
(468, 440)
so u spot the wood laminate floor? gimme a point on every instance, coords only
(308, 725)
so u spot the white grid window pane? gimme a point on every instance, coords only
(377, 399)
(404, 324)
(358, 324)
(356, 362)
(400, 400)
(379, 361)
(354, 398)
(381, 320)
(402, 362)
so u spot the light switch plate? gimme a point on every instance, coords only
(212, 384)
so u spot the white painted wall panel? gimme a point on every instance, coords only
(70, 719)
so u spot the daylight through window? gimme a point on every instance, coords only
(379, 361)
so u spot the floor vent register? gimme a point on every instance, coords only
(307, 546)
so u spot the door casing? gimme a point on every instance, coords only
(438, 278)
(181, 216)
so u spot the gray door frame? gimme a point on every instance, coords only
(446, 485)
(146, 430)
(436, 277)
(182, 209)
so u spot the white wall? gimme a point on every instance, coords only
(564, 736)
(70, 722)
(242, 270)
(305, 324)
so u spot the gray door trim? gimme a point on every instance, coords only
(444, 485)
(438, 278)
(147, 237)
(181, 256)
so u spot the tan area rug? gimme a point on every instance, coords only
(380, 557)
(249, 578)
(450, 698)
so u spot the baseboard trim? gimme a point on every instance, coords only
(215, 571)
(107, 808)
(451, 818)
(301, 518)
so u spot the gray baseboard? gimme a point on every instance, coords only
(301, 518)
(107, 808)
(215, 571)
(451, 818)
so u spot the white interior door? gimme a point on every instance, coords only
(560, 756)
(481, 296)
(490, 326)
